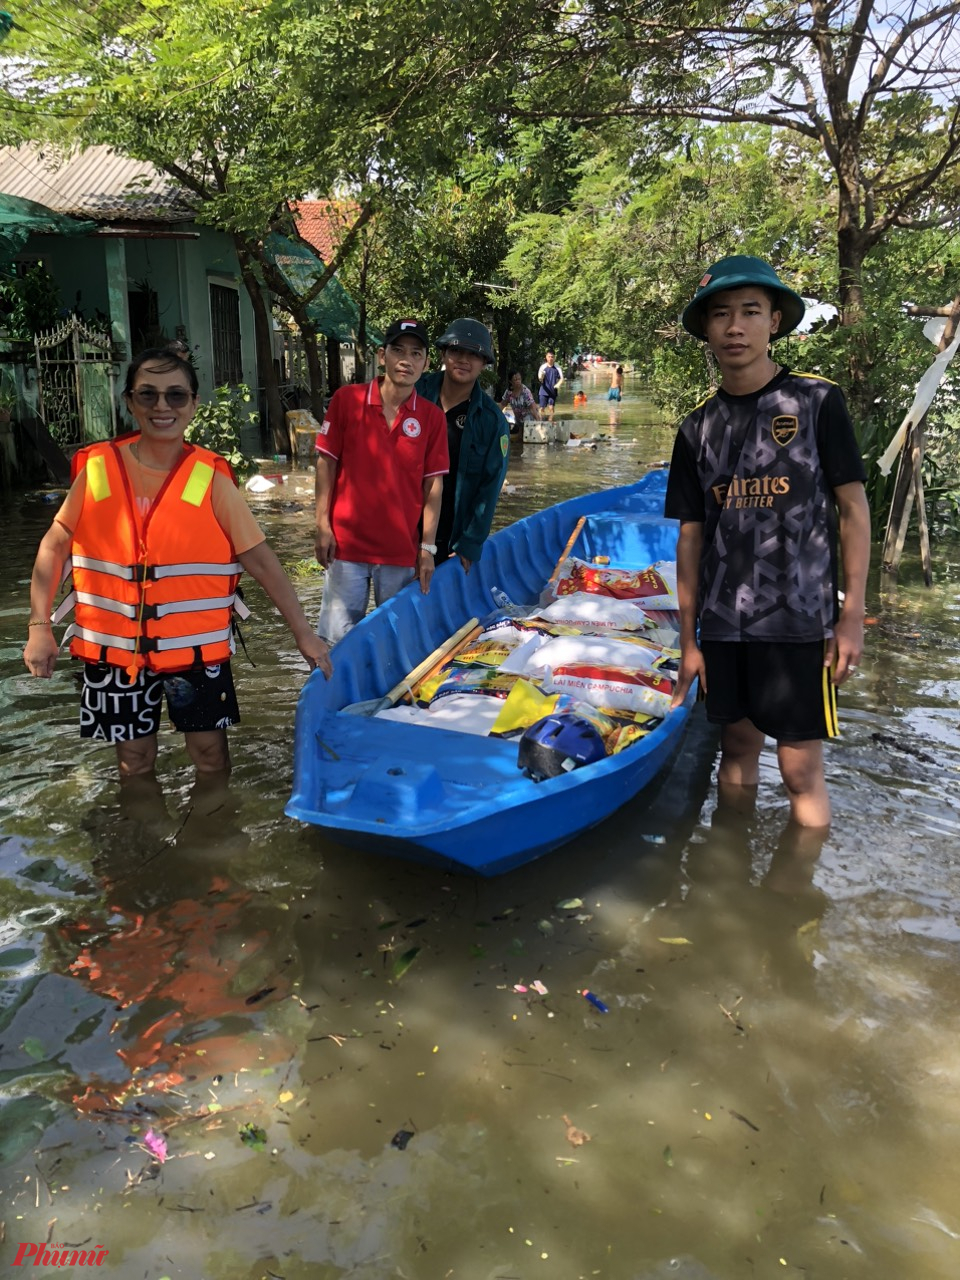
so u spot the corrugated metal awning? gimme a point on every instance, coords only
(96, 183)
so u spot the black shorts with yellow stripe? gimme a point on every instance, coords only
(784, 689)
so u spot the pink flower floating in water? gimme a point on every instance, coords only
(156, 1144)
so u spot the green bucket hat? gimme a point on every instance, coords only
(736, 273)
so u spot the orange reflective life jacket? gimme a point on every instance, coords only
(155, 591)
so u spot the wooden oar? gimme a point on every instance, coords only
(433, 662)
(566, 550)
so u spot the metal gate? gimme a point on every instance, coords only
(291, 361)
(76, 377)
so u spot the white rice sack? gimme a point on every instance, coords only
(597, 613)
(518, 662)
(614, 688)
(667, 570)
(466, 713)
(463, 713)
(506, 628)
(559, 651)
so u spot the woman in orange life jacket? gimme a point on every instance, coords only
(157, 536)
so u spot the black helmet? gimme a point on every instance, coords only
(558, 743)
(468, 335)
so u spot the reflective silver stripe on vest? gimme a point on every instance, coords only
(130, 610)
(102, 602)
(158, 571)
(101, 638)
(64, 607)
(105, 603)
(129, 643)
(190, 642)
(187, 570)
(104, 566)
(191, 606)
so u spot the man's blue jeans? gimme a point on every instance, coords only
(346, 593)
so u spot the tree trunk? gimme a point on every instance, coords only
(504, 361)
(297, 305)
(360, 346)
(851, 252)
(311, 349)
(334, 377)
(263, 333)
(269, 381)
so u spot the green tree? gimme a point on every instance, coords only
(249, 108)
(642, 222)
(617, 263)
(874, 95)
(30, 303)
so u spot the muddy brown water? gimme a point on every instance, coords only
(330, 1045)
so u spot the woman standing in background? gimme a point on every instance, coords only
(520, 400)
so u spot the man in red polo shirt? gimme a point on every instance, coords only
(381, 458)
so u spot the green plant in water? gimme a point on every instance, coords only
(306, 569)
(941, 474)
(218, 425)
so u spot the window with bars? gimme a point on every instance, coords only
(225, 334)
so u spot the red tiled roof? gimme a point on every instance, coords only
(323, 223)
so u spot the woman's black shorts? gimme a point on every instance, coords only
(114, 709)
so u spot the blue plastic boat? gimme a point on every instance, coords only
(455, 799)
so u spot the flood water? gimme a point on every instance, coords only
(330, 1044)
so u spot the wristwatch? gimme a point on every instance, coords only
(429, 546)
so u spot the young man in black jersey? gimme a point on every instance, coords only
(765, 476)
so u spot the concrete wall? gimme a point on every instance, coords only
(80, 273)
(213, 260)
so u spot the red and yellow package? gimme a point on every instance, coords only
(649, 587)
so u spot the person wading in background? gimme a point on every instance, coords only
(550, 377)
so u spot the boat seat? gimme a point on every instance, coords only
(624, 537)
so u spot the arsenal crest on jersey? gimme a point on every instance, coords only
(784, 427)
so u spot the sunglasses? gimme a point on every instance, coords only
(174, 397)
